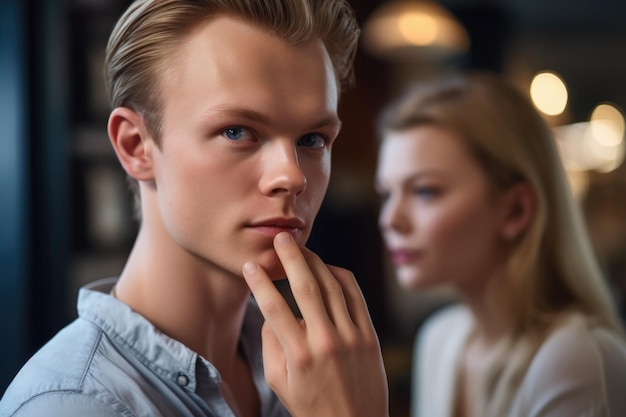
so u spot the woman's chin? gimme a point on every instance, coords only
(411, 281)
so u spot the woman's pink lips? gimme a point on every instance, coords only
(404, 256)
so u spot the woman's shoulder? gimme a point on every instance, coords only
(578, 339)
(446, 320)
(444, 330)
(438, 345)
(579, 364)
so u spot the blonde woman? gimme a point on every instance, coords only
(474, 197)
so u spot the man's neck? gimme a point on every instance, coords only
(195, 303)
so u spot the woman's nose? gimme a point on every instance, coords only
(392, 216)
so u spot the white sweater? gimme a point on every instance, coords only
(579, 371)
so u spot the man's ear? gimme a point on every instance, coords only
(520, 205)
(132, 143)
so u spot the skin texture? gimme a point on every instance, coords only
(248, 127)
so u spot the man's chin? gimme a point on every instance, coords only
(275, 272)
(270, 263)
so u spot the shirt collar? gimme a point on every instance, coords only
(135, 334)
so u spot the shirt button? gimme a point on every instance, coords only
(182, 380)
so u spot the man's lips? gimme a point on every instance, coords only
(271, 227)
(404, 256)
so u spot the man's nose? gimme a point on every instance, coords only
(281, 171)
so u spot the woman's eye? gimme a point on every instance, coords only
(425, 192)
(237, 133)
(312, 140)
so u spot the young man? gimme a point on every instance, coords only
(224, 112)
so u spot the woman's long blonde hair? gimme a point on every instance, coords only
(552, 270)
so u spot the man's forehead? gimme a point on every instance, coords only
(232, 67)
(228, 40)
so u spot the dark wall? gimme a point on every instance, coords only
(13, 177)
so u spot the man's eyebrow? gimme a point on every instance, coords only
(255, 116)
(244, 113)
(330, 121)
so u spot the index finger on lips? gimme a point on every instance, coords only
(303, 283)
(273, 306)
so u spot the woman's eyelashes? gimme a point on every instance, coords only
(426, 192)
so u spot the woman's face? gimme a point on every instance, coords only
(440, 217)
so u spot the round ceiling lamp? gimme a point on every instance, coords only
(410, 29)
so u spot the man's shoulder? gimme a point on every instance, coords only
(56, 373)
(62, 404)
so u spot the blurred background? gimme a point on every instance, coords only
(67, 216)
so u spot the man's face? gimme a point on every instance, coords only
(248, 126)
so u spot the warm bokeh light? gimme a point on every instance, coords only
(407, 29)
(549, 93)
(581, 151)
(607, 125)
(418, 28)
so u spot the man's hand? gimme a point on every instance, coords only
(329, 362)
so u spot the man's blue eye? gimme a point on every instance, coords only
(312, 140)
(236, 133)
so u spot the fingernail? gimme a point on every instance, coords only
(249, 268)
(283, 238)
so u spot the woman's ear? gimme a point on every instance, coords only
(132, 143)
(520, 205)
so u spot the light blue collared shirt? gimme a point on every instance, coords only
(111, 361)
